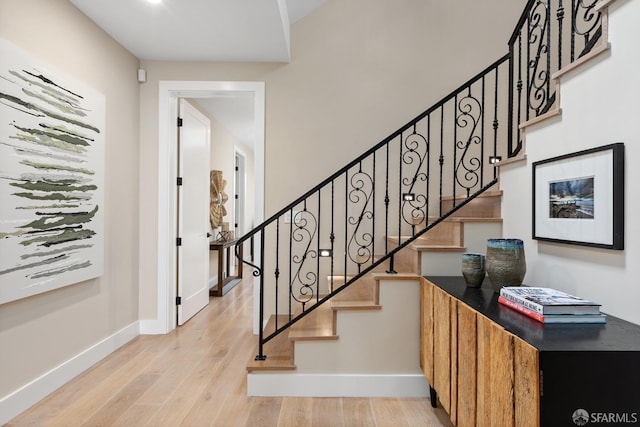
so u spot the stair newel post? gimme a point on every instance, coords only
(261, 355)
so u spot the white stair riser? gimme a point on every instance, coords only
(449, 263)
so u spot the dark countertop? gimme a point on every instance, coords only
(615, 335)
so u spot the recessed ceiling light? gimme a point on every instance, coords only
(154, 1)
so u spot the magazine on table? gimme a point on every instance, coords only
(549, 301)
(553, 318)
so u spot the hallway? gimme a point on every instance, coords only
(196, 376)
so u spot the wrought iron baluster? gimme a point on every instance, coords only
(290, 299)
(441, 159)
(387, 201)
(528, 68)
(305, 229)
(482, 135)
(455, 151)
(560, 17)
(346, 221)
(413, 202)
(573, 30)
(332, 236)
(520, 95)
(428, 173)
(587, 23)
(468, 114)
(277, 269)
(319, 214)
(548, 52)
(496, 123)
(359, 249)
(373, 209)
(400, 188)
(538, 79)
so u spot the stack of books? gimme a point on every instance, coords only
(548, 305)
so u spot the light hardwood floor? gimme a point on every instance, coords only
(196, 376)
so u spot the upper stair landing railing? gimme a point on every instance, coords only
(549, 36)
(339, 228)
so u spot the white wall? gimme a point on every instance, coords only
(47, 335)
(599, 106)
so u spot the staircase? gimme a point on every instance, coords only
(340, 264)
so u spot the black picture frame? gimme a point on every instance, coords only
(578, 198)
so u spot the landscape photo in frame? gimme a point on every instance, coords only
(51, 178)
(571, 198)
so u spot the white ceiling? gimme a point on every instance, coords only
(205, 30)
(200, 30)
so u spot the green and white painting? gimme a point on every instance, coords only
(51, 178)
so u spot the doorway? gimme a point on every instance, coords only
(169, 92)
(239, 194)
(192, 265)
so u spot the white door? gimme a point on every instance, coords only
(193, 212)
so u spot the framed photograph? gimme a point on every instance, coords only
(578, 198)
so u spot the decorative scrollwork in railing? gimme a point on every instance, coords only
(467, 172)
(538, 64)
(304, 227)
(414, 155)
(361, 240)
(586, 22)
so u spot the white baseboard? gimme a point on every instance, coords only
(152, 327)
(26, 396)
(335, 385)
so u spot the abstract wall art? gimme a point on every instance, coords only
(51, 178)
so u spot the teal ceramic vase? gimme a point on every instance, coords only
(473, 269)
(505, 263)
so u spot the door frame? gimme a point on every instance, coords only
(168, 94)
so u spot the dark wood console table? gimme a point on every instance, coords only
(490, 365)
(225, 283)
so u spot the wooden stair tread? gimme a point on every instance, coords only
(471, 219)
(438, 248)
(317, 325)
(279, 351)
(355, 305)
(488, 193)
